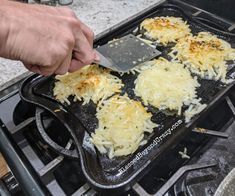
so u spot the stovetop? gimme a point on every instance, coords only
(64, 177)
(195, 166)
(223, 8)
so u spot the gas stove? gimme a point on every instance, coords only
(194, 166)
(217, 7)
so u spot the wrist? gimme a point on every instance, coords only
(5, 24)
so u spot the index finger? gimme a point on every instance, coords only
(83, 50)
(89, 34)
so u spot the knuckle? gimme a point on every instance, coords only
(87, 60)
(54, 56)
(58, 54)
(44, 71)
(47, 73)
(74, 23)
(69, 41)
(88, 31)
(71, 13)
(51, 60)
(68, 11)
(61, 72)
(92, 34)
(50, 56)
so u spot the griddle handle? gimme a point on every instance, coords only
(213, 25)
(209, 23)
(49, 141)
(21, 168)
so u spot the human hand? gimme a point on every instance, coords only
(46, 39)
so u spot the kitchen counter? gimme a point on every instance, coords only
(98, 14)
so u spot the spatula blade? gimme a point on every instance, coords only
(108, 63)
(125, 53)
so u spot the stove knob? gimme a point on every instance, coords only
(11, 184)
(3, 189)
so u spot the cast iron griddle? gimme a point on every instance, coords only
(120, 173)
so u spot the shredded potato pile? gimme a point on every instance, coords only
(165, 29)
(89, 83)
(205, 55)
(167, 85)
(122, 123)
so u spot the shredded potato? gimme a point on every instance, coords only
(193, 110)
(165, 29)
(122, 124)
(89, 83)
(168, 85)
(205, 55)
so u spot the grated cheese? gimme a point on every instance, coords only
(122, 124)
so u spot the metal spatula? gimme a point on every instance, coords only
(125, 53)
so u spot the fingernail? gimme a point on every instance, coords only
(97, 57)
